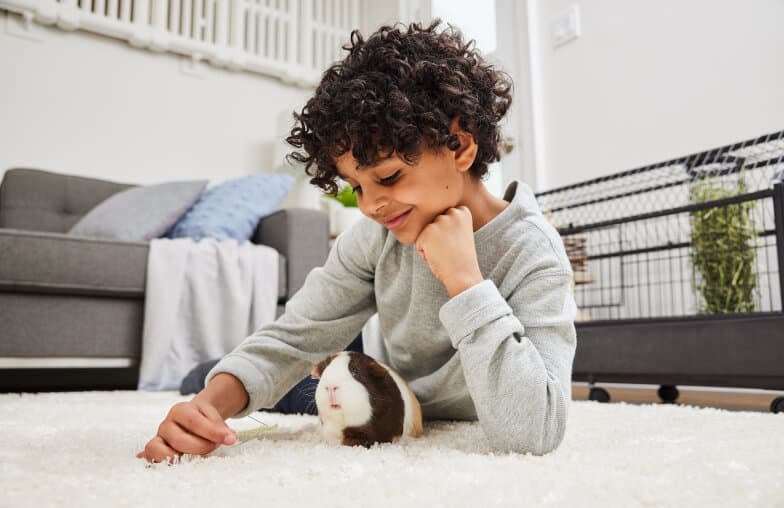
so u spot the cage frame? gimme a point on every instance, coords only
(727, 350)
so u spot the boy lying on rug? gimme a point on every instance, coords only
(473, 292)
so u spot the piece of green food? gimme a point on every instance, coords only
(246, 435)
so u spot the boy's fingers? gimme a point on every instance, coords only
(209, 411)
(157, 450)
(186, 439)
(199, 425)
(229, 435)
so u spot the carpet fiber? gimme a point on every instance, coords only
(77, 449)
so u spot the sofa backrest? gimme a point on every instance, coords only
(44, 201)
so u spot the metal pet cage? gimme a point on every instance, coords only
(679, 270)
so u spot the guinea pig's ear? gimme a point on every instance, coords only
(377, 371)
(319, 367)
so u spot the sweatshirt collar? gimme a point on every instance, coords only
(522, 202)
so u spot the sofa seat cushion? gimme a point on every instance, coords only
(55, 263)
(59, 263)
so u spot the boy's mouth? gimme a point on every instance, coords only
(397, 220)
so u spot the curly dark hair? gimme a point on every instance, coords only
(392, 92)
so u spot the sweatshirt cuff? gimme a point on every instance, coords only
(255, 382)
(472, 309)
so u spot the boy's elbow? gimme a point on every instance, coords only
(551, 442)
(539, 439)
(531, 443)
(537, 432)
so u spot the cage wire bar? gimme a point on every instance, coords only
(630, 234)
(675, 257)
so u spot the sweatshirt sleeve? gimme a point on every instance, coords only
(517, 351)
(322, 318)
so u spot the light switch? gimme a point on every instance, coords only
(566, 26)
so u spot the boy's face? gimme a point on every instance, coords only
(406, 198)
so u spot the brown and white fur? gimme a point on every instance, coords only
(361, 401)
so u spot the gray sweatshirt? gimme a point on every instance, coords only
(500, 352)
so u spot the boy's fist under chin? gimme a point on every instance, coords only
(447, 245)
(193, 427)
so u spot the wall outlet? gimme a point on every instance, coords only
(566, 26)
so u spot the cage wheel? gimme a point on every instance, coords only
(599, 395)
(668, 393)
(777, 406)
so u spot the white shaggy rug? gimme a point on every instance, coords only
(77, 449)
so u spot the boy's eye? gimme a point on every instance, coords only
(390, 179)
(384, 181)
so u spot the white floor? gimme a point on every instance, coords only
(77, 449)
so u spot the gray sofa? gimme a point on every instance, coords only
(72, 308)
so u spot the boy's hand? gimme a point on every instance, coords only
(447, 245)
(193, 427)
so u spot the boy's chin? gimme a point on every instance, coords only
(405, 237)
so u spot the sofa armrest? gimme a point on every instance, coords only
(299, 234)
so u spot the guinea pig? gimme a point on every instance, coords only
(361, 401)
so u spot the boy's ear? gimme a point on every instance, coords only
(466, 154)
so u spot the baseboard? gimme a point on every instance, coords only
(52, 362)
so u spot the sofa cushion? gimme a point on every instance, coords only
(58, 263)
(42, 201)
(233, 208)
(55, 263)
(140, 213)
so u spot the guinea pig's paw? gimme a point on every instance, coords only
(331, 435)
(353, 441)
(355, 437)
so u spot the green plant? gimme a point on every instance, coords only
(723, 250)
(345, 196)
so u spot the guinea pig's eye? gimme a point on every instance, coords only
(352, 371)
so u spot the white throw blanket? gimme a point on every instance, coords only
(201, 300)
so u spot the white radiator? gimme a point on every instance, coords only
(294, 40)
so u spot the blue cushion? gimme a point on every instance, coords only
(232, 209)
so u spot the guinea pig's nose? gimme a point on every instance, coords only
(333, 400)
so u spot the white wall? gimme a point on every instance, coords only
(645, 81)
(78, 103)
(512, 54)
(651, 80)
(374, 13)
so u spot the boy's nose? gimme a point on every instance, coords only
(375, 211)
(373, 202)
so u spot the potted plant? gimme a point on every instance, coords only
(343, 210)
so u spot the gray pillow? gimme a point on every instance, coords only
(141, 213)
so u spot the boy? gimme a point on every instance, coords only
(473, 292)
